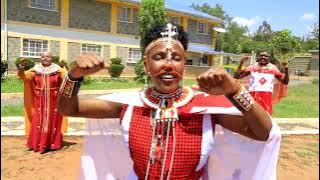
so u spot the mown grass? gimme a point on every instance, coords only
(15, 85)
(11, 110)
(302, 101)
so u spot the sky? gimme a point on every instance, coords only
(295, 15)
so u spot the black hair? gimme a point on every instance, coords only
(155, 33)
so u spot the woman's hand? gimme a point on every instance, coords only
(87, 64)
(217, 82)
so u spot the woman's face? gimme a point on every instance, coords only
(46, 59)
(165, 74)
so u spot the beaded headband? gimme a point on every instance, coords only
(168, 37)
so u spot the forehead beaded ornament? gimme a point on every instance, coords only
(164, 114)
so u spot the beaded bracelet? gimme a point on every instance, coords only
(69, 87)
(242, 100)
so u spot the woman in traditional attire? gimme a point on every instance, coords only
(263, 86)
(43, 81)
(170, 130)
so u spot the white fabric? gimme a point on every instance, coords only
(261, 82)
(207, 141)
(233, 156)
(237, 157)
(39, 68)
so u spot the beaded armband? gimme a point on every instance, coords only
(69, 87)
(242, 100)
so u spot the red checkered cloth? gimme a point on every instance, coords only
(188, 146)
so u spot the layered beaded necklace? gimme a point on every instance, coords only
(163, 118)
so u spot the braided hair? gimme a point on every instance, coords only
(155, 33)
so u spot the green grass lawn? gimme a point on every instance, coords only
(15, 85)
(11, 110)
(302, 100)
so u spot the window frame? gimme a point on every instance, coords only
(131, 59)
(35, 41)
(88, 48)
(205, 30)
(128, 19)
(55, 4)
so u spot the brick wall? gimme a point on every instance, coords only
(55, 48)
(18, 10)
(90, 15)
(73, 51)
(14, 47)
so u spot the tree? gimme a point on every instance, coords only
(216, 11)
(151, 13)
(231, 41)
(285, 45)
(264, 33)
(265, 28)
(314, 34)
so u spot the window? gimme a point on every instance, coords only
(34, 47)
(91, 48)
(189, 62)
(202, 28)
(204, 60)
(43, 4)
(125, 14)
(134, 55)
(174, 20)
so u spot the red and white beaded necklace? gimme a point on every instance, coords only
(163, 118)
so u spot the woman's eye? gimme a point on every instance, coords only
(177, 58)
(158, 57)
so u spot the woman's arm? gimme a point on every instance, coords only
(70, 104)
(89, 108)
(241, 73)
(255, 122)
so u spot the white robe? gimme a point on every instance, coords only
(234, 157)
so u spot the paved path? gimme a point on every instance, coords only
(14, 126)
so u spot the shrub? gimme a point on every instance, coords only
(140, 74)
(4, 66)
(315, 81)
(56, 60)
(116, 67)
(29, 65)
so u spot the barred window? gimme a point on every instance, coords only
(134, 55)
(34, 47)
(91, 48)
(202, 28)
(43, 4)
(125, 14)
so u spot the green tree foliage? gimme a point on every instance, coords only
(285, 45)
(216, 11)
(231, 41)
(151, 13)
(116, 67)
(4, 66)
(29, 65)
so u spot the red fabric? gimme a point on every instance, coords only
(188, 146)
(264, 99)
(45, 130)
(280, 90)
(200, 100)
